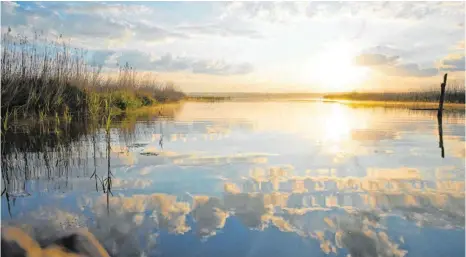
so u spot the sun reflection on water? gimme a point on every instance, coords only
(251, 168)
(337, 125)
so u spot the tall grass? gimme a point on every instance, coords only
(454, 93)
(41, 76)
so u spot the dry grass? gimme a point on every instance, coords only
(407, 105)
(454, 93)
(42, 77)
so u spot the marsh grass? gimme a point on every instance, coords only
(43, 77)
(454, 93)
(54, 151)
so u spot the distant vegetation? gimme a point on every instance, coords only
(42, 77)
(454, 93)
(207, 98)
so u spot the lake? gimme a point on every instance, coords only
(239, 178)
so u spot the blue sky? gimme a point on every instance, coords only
(262, 46)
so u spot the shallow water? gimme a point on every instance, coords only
(276, 178)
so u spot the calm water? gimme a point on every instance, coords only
(235, 179)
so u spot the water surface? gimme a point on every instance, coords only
(276, 178)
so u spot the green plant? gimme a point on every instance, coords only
(57, 119)
(41, 116)
(5, 120)
(42, 77)
(66, 114)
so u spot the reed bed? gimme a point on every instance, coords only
(42, 77)
(454, 93)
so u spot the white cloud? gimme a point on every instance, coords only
(390, 66)
(218, 29)
(286, 11)
(268, 11)
(167, 63)
(454, 63)
(270, 42)
(374, 59)
(209, 214)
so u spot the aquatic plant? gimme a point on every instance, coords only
(41, 76)
(454, 93)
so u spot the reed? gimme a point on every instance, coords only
(49, 77)
(454, 93)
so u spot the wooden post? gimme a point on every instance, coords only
(440, 112)
(442, 95)
(440, 135)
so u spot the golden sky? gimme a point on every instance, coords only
(262, 46)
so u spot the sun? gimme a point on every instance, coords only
(332, 69)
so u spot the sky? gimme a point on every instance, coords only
(262, 46)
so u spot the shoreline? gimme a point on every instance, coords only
(420, 106)
(161, 108)
(430, 106)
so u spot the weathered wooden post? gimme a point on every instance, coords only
(440, 135)
(439, 114)
(442, 94)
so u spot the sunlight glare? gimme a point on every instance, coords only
(333, 69)
(337, 124)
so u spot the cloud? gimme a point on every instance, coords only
(168, 62)
(30, 18)
(168, 213)
(367, 243)
(409, 70)
(325, 245)
(389, 65)
(288, 11)
(281, 224)
(136, 59)
(454, 63)
(221, 68)
(385, 49)
(374, 59)
(100, 57)
(392, 61)
(209, 214)
(102, 8)
(147, 31)
(231, 188)
(249, 208)
(441, 205)
(460, 45)
(269, 11)
(218, 29)
(13, 15)
(110, 21)
(152, 33)
(360, 232)
(130, 183)
(357, 231)
(202, 38)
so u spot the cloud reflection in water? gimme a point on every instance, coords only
(340, 179)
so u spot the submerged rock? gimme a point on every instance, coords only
(79, 243)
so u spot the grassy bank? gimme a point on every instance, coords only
(454, 94)
(42, 78)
